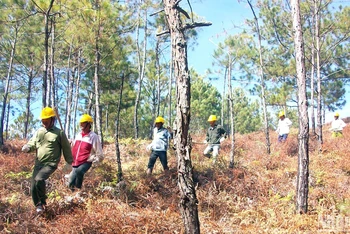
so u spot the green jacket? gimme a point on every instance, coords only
(49, 144)
(214, 134)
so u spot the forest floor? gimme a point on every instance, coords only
(257, 196)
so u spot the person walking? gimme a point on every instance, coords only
(283, 127)
(86, 150)
(159, 145)
(337, 126)
(215, 135)
(48, 142)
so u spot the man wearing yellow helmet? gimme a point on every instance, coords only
(283, 127)
(87, 149)
(215, 135)
(48, 142)
(337, 126)
(159, 145)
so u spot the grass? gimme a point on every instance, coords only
(257, 196)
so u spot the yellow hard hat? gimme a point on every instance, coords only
(281, 114)
(336, 114)
(212, 118)
(47, 113)
(159, 120)
(86, 118)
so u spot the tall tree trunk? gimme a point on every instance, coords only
(303, 137)
(158, 76)
(97, 86)
(141, 70)
(312, 78)
(45, 90)
(98, 111)
(188, 198)
(76, 93)
(231, 111)
(117, 150)
(29, 94)
(318, 70)
(52, 94)
(262, 83)
(7, 119)
(7, 87)
(223, 99)
(69, 94)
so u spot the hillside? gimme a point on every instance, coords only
(257, 196)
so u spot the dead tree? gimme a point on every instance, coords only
(176, 28)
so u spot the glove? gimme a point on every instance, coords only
(96, 163)
(222, 139)
(26, 148)
(149, 147)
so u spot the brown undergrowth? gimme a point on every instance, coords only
(256, 196)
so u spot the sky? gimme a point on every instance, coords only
(226, 17)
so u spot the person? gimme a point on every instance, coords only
(216, 134)
(337, 126)
(86, 150)
(159, 145)
(283, 127)
(48, 142)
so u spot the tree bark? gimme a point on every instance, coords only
(53, 90)
(303, 137)
(45, 91)
(231, 110)
(188, 199)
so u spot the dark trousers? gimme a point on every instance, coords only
(38, 185)
(162, 157)
(77, 175)
(282, 138)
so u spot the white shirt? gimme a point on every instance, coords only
(338, 125)
(283, 126)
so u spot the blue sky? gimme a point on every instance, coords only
(226, 16)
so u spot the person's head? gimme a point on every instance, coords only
(336, 115)
(281, 115)
(212, 120)
(47, 117)
(159, 122)
(85, 122)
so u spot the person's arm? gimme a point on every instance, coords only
(66, 148)
(97, 146)
(343, 124)
(170, 133)
(30, 145)
(278, 127)
(223, 134)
